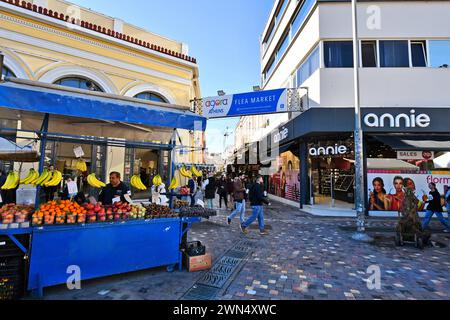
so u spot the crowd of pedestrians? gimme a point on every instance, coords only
(234, 193)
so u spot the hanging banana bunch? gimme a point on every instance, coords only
(81, 165)
(196, 172)
(137, 183)
(174, 184)
(31, 177)
(55, 179)
(157, 180)
(12, 181)
(94, 182)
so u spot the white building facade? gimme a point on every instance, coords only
(404, 57)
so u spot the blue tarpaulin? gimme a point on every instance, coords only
(65, 103)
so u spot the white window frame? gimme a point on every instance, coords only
(425, 51)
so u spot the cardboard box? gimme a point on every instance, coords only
(198, 263)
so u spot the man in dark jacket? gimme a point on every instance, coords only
(210, 191)
(257, 199)
(115, 190)
(239, 199)
(434, 207)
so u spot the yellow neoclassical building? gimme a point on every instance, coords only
(57, 42)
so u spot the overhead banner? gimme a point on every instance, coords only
(244, 104)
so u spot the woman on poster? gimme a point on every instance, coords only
(379, 200)
(396, 199)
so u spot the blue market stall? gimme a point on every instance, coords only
(52, 113)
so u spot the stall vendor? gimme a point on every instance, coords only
(114, 191)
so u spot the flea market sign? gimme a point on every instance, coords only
(252, 103)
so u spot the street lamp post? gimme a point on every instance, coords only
(360, 234)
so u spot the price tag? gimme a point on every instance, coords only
(72, 187)
(78, 152)
(116, 199)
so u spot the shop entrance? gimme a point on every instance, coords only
(332, 175)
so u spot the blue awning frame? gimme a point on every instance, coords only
(57, 101)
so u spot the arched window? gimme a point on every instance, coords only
(151, 96)
(7, 72)
(79, 83)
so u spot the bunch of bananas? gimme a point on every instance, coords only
(54, 179)
(94, 182)
(12, 181)
(185, 173)
(43, 178)
(196, 172)
(136, 183)
(81, 165)
(174, 184)
(32, 176)
(157, 180)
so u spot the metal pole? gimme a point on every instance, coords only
(360, 234)
(44, 130)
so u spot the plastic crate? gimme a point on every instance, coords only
(8, 248)
(195, 248)
(12, 277)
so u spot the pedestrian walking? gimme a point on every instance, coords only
(193, 186)
(210, 191)
(447, 204)
(199, 194)
(222, 192)
(257, 199)
(434, 208)
(239, 199)
(230, 192)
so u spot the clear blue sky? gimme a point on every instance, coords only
(222, 35)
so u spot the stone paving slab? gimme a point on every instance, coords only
(302, 258)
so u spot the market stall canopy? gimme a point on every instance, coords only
(412, 143)
(389, 164)
(10, 151)
(33, 97)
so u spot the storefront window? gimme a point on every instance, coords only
(285, 183)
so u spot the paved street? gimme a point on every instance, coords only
(303, 257)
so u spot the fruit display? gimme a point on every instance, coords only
(155, 211)
(81, 165)
(12, 181)
(11, 213)
(185, 173)
(196, 172)
(180, 203)
(59, 212)
(137, 183)
(94, 182)
(185, 191)
(32, 176)
(43, 177)
(157, 180)
(55, 179)
(174, 184)
(197, 212)
(138, 211)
